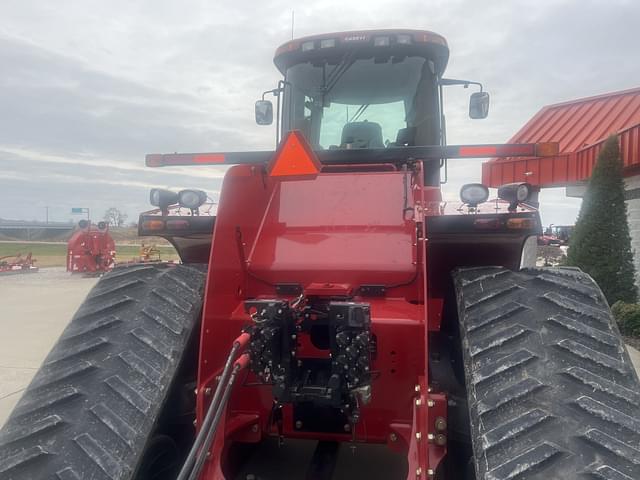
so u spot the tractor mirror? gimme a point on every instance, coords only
(479, 105)
(264, 112)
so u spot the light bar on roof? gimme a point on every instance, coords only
(306, 46)
(328, 43)
(381, 41)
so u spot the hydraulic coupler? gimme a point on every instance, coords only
(341, 378)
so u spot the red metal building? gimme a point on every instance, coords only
(581, 127)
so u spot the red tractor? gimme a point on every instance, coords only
(556, 235)
(91, 250)
(336, 319)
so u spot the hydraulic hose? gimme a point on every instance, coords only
(238, 343)
(239, 365)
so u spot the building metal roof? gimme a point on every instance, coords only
(580, 127)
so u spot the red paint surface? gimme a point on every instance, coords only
(333, 233)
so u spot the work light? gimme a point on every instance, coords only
(473, 194)
(328, 43)
(514, 193)
(191, 198)
(162, 198)
(381, 41)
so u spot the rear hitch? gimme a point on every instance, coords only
(327, 388)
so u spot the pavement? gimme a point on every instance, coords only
(635, 358)
(35, 308)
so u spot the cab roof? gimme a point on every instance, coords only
(365, 42)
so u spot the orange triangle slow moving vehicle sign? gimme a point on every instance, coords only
(294, 158)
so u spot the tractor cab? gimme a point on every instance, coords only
(364, 90)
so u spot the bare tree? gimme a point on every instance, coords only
(114, 217)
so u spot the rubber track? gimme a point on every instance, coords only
(91, 407)
(552, 392)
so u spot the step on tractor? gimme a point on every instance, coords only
(336, 318)
(91, 249)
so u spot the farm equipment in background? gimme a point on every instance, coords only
(14, 264)
(556, 235)
(562, 233)
(336, 318)
(91, 250)
(149, 253)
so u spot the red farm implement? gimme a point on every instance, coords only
(14, 264)
(91, 250)
(336, 318)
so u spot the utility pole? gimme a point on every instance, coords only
(47, 215)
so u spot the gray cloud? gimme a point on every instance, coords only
(30, 183)
(59, 104)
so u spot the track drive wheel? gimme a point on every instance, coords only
(93, 410)
(552, 393)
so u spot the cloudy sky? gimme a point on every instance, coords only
(88, 87)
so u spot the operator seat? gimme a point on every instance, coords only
(362, 135)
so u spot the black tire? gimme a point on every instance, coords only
(552, 393)
(93, 405)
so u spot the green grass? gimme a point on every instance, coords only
(44, 249)
(54, 254)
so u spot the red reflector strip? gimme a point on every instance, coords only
(177, 224)
(508, 150)
(153, 225)
(487, 223)
(479, 151)
(522, 223)
(209, 158)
